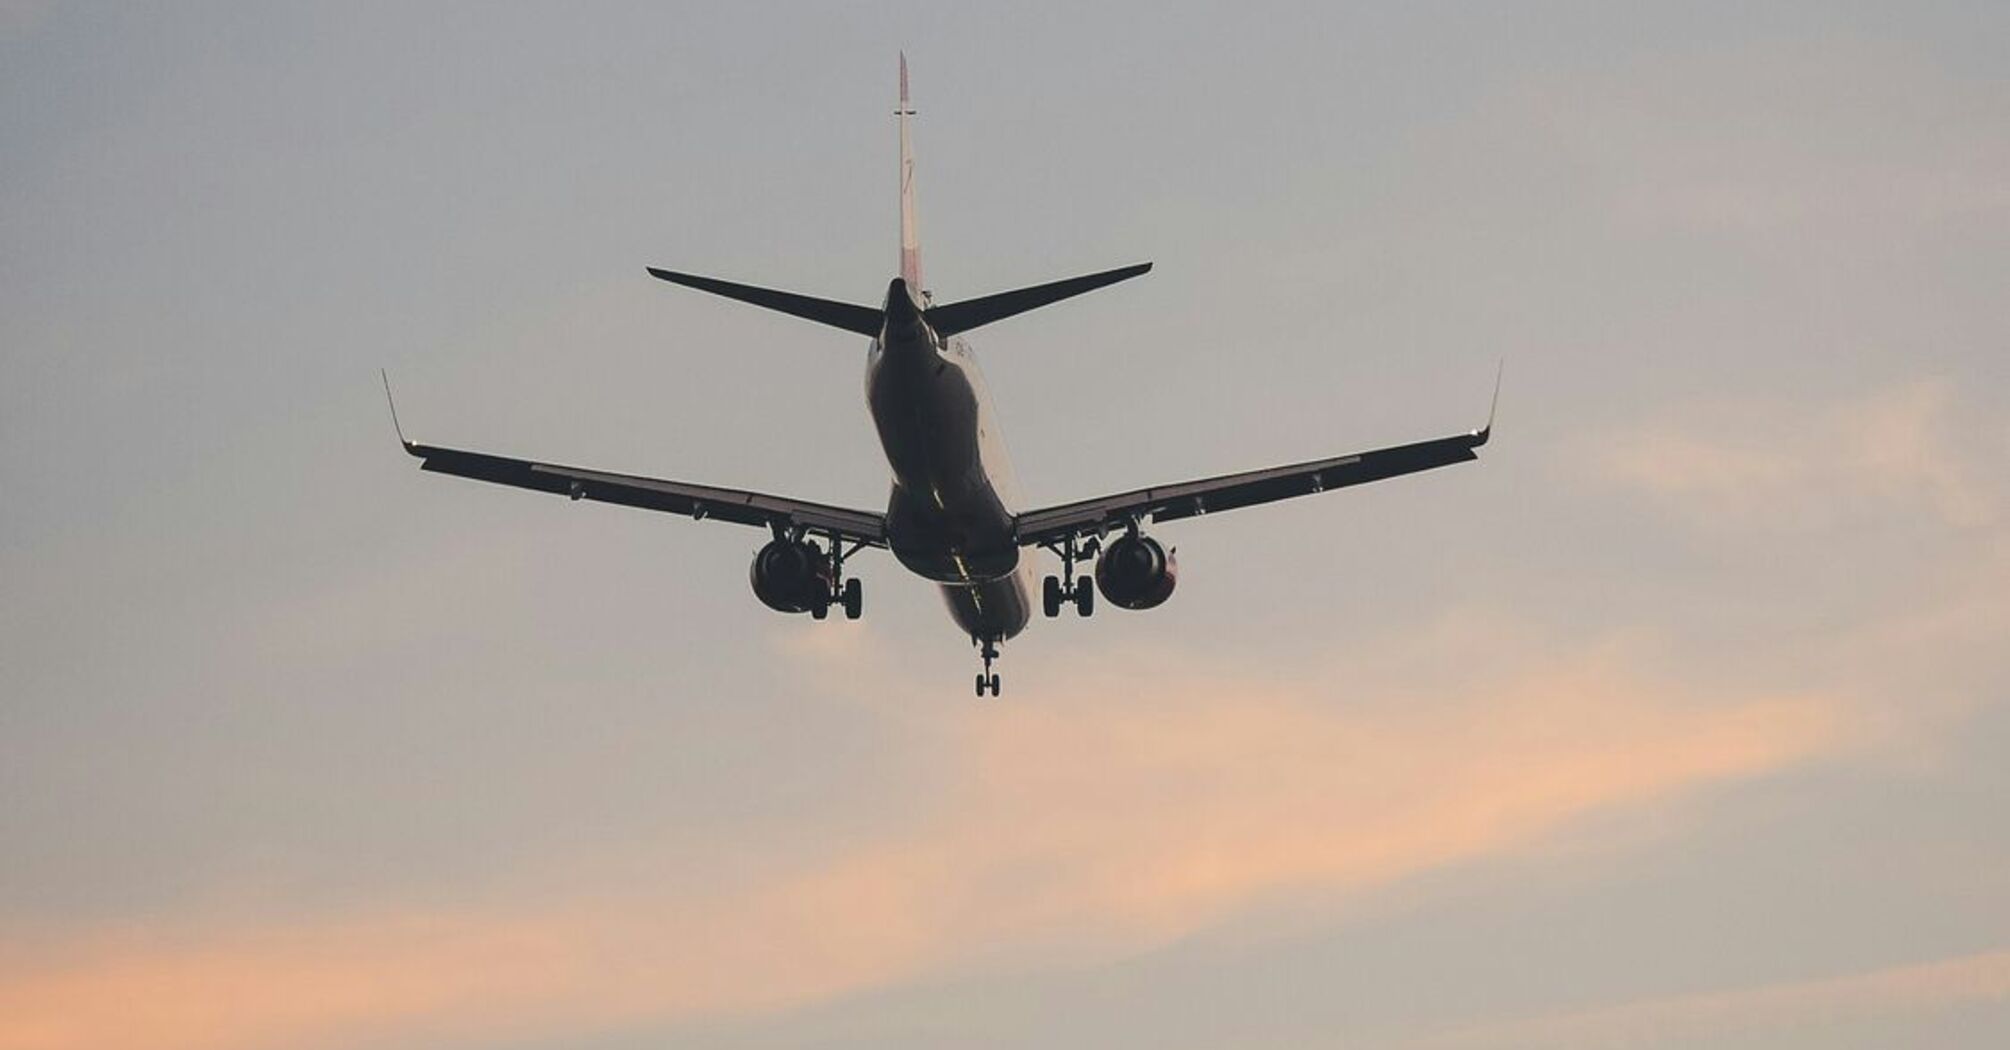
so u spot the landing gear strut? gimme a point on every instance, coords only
(985, 678)
(1065, 588)
(846, 594)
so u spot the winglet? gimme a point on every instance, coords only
(391, 401)
(1485, 432)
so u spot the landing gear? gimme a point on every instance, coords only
(846, 594)
(1059, 590)
(985, 678)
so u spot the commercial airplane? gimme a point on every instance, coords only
(952, 515)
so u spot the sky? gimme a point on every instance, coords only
(1676, 720)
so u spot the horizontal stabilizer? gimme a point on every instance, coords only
(864, 320)
(951, 318)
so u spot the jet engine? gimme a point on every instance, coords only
(791, 576)
(1135, 572)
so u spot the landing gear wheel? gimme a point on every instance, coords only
(820, 608)
(1067, 588)
(854, 599)
(985, 678)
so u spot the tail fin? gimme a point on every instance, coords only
(947, 320)
(910, 238)
(951, 318)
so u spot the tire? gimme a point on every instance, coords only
(1050, 597)
(994, 685)
(820, 608)
(981, 683)
(854, 599)
(1085, 598)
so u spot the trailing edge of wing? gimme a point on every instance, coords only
(1251, 487)
(863, 320)
(951, 318)
(1230, 491)
(675, 497)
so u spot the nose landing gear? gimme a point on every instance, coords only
(985, 678)
(1065, 589)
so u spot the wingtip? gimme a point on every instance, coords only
(396, 427)
(1482, 434)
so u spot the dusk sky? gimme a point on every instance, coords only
(1680, 719)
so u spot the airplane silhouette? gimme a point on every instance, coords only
(951, 517)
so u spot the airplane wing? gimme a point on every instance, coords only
(675, 497)
(1229, 491)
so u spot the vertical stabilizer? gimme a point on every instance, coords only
(910, 239)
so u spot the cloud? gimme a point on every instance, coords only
(1691, 1020)
(1786, 467)
(1096, 821)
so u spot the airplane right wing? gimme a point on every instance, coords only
(1229, 491)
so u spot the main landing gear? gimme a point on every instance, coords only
(985, 678)
(848, 595)
(1066, 589)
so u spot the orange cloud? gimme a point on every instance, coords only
(1100, 820)
(1692, 1020)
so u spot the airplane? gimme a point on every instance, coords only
(951, 517)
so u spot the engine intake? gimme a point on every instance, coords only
(1136, 572)
(791, 576)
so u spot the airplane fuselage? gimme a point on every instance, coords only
(949, 516)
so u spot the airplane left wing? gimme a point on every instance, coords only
(676, 497)
(1229, 491)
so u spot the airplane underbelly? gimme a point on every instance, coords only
(951, 542)
(994, 610)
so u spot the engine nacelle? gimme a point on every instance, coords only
(1135, 572)
(791, 576)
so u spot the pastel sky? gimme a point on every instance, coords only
(1678, 720)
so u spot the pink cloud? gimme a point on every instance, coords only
(1097, 822)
